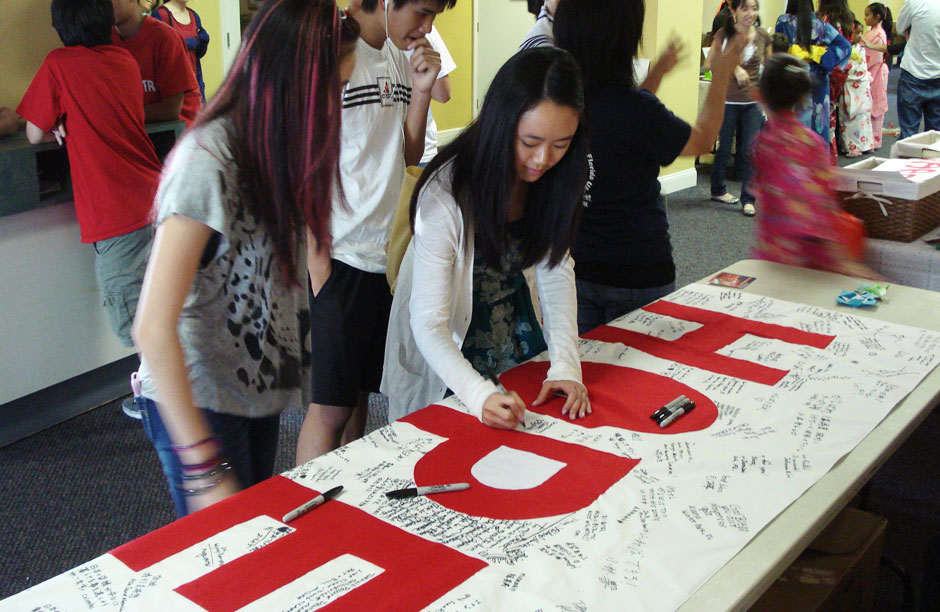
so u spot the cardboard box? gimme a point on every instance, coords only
(923, 145)
(837, 572)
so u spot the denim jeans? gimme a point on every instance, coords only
(250, 446)
(742, 123)
(599, 304)
(917, 98)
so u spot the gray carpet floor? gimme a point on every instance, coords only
(81, 488)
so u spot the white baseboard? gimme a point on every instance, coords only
(677, 181)
(445, 136)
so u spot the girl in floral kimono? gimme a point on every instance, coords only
(855, 127)
(878, 19)
(807, 33)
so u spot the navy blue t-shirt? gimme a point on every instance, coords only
(623, 240)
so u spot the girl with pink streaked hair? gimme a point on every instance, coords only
(242, 212)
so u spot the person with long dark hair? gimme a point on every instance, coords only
(743, 117)
(504, 196)
(878, 19)
(242, 209)
(804, 29)
(622, 249)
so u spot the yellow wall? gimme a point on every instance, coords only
(456, 28)
(212, 61)
(679, 90)
(26, 36)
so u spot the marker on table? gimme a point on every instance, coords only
(677, 412)
(668, 408)
(495, 379)
(415, 491)
(313, 503)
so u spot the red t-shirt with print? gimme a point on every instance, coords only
(165, 68)
(97, 90)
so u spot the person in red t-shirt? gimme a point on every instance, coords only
(186, 22)
(170, 87)
(89, 94)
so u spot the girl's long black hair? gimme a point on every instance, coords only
(603, 36)
(803, 9)
(483, 158)
(837, 13)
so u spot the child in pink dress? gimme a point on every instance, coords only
(798, 220)
(855, 130)
(878, 19)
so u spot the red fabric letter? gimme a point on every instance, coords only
(587, 474)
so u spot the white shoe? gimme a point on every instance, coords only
(749, 210)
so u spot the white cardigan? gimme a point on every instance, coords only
(430, 318)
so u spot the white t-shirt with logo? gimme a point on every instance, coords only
(372, 155)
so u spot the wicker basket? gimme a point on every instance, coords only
(906, 221)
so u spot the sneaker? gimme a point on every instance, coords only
(130, 408)
(749, 210)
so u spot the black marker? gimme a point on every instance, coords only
(666, 410)
(415, 491)
(685, 408)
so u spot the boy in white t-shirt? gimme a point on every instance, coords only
(385, 108)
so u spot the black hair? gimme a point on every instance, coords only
(784, 82)
(729, 29)
(369, 6)
(803, 9)
(780, 43)
(86, 23)
(884, 14)
(837, 13)
(483, 159)
(603, 36)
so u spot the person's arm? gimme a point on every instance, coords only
(174, 259)
(441, 90)
(9, 122)
(706, 128)
(670, 57)
(167, 109)
(559, 301)
(319, 265)
(540, 35)
(202, 36)
(838, 50)
(425, 64)
(437, 227)
(36, 135)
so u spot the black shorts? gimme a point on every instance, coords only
(348, 325)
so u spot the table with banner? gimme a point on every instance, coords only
(797, 403)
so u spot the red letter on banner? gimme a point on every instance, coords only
(587, 474)
(620, 397)
(417, 571)
(697, 348)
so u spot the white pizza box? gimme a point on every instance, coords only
(914, 179)
(924, 145)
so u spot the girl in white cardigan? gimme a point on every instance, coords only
(503, 197)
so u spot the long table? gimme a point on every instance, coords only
(798, 404)
(741, 581)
